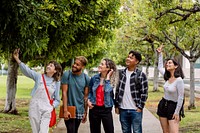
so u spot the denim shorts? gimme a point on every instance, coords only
(166, 108)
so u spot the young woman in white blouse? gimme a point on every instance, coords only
(170, 106)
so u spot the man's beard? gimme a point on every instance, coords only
(75, 70)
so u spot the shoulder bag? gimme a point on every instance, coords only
(53, 113)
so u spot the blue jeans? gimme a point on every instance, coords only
(130, 118)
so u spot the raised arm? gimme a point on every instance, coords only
(107, 83)
(160, 60)
(25, 69)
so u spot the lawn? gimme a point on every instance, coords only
(20, 123)
(24, 86)
(16, 123)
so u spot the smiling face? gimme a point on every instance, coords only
(77, 66)
(102, 67)
(131, 61)
(50, 68)
(170, 66)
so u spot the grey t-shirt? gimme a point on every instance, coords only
(172, 91)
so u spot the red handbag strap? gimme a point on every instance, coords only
(45, 86)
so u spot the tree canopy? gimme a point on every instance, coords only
(57, 29)
(172, 23)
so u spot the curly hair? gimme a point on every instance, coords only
(114, 77)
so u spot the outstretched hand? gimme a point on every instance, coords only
(16, 55)
(159, 49)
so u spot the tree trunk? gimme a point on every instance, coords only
(147, 71)
(155, 78)
(192, 87)
(147, 65)
(11, 85)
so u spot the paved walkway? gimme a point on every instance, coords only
(150, 124)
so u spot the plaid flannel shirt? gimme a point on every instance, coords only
(139, 94)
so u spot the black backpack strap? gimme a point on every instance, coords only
(137, 82)
(120, 74)
(138, 73)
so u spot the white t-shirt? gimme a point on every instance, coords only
(127, 100)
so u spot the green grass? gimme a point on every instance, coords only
(189, 124)
(3, 86)
(24, 87)
(15, 123)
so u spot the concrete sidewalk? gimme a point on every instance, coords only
(150, 124)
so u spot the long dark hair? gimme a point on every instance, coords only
(177, 73)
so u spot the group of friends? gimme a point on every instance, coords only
(126, 90)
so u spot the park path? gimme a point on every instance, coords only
(150, 124)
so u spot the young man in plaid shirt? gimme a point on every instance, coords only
(131, 94)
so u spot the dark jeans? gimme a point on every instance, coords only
(72, 125)
(130, 118)
(98, 114)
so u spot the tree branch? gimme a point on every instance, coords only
(176, 11)
(197, 55)
(151, 38)
(176, 46)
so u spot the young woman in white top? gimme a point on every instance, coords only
(170, 107)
